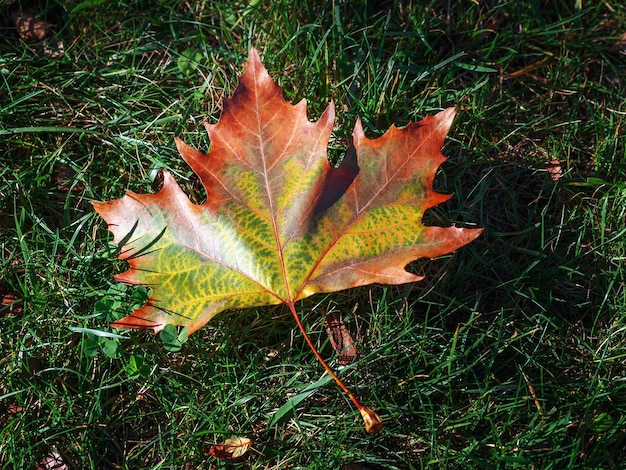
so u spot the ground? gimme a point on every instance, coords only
(510, 354)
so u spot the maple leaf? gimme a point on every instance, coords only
(280, 223)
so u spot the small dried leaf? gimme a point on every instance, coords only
(29, 27)
(340, 338)
(53, 461)
(231, 448)
(10, 303)
(8, 412)
(555, 170)
(14, 409)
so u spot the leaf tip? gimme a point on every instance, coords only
(253, 54)
(358, 127)
(254, 62)
(97, 205)
(447, 116)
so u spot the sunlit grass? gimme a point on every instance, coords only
(510, 354)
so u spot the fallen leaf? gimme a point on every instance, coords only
(29, 27)
(280, 223)
(554, 169)
(39, 24)
(340, 338)
(52, 461)
(10, 304)
(14, 409)
(10, 301)
(9, 411)
(231, 448)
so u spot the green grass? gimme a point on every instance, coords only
(512, 352)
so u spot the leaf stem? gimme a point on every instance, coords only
(373, 422)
